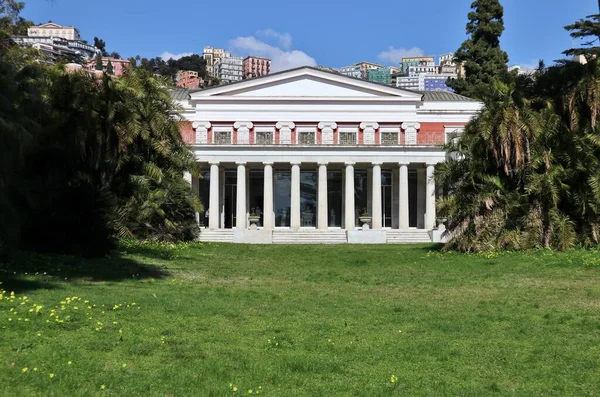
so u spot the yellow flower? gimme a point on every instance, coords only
(102, 387)
(51, 376)
(249, 391)
(35, 369)
(235, 388)
(124, 365)
(393, 379)
(69, 363)
(24, 369)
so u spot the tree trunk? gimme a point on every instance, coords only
(546, 225)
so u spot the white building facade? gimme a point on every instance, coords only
(316, 157)
(229, 69)
(51, 29)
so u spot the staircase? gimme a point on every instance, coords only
(216, 236)
(408, 236)
(309, 237)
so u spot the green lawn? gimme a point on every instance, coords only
(219, 320)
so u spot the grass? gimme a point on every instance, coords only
(219, 320)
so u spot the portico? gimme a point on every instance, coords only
(320, 196)
(305, 154)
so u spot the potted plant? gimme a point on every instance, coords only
(365, 218)
(254, 217)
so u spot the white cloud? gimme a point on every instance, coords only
(285, 40)
(394, 55)
(282, 57)
(169, 55)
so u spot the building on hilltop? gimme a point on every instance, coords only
(381, 76)
(360, 70)
(52, 29)
(211, 55)
(407, 62)
(119, 66)
(188, 79)
(254, 66)
(311, 156)
(228, 68)
(57, 42)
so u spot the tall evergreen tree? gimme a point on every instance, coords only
(109, 68)
(481, 55)
(99, 65)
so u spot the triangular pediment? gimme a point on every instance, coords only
(307, 83)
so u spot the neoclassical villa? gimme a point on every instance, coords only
(310, 156)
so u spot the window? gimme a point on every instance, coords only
(389, 138)
(222, 137)
(347, 138)
(306, 138)
(264, 137)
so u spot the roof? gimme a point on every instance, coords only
(181, 94)
(443, 96)
(429, 96)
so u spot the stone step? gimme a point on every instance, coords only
(309, 237)
(216, 236)
(411, 236)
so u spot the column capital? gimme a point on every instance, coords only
(296, 163)
(406, 163)
(268, 163)
(322, 163)
(376, 163)
(242, 124)
(327, 124)
(240, 163)
(410, 125)
(214, 162)
(285, 124)
(201, 124)
(349, 163)
(365, 125)
(431, 163)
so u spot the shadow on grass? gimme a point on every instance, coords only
(41, 271)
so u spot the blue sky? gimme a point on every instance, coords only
(332, 33)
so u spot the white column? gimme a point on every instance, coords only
(243, 132)
(285, 132)
(201, 128)
(268, 215)
(403, 199)
(240, 216)
(322, 222)
(187, 176)
(327, 132)
(213, 202)
(295, 199)
(376, 213)
(369, 132)
(410, 132)
(349, 197)
(430, 198)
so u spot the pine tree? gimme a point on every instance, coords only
(109, 68)
(481, 55)
(99, 65)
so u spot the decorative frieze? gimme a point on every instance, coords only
(410, 132)
(369, 129)
(285, 132)
(327, 129)
(243, 132)
(201, 128)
